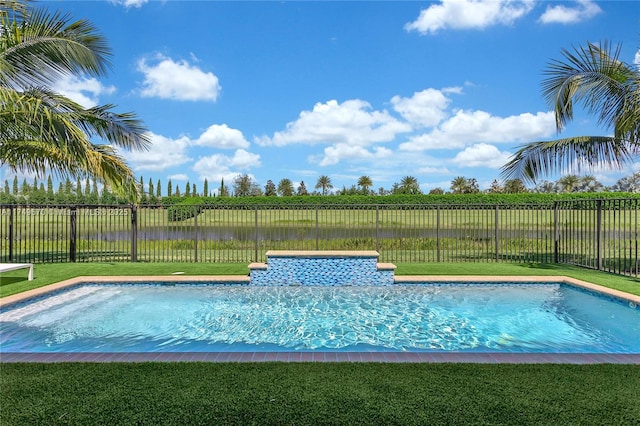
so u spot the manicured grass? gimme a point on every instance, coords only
(274, 393)
(16, 281)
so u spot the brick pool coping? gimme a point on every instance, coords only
(418, 357)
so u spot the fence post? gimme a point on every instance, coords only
(195, 233)
(556, 232)
(599, 233)
(255, 257)
(10, 233)
(377, 228)
(497, 234)
(438, 234)
(317, 243)
(134, 233)
(72, 233)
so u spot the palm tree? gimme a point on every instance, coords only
(408, 185)
(609, 89)
(364, 182)
(459, 185)
(569, 183)
(285, 187)
(589, 183)
(42, 130)
(324, 182)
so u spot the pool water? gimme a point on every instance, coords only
(414, 317)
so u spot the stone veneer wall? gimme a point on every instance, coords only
(324, 271)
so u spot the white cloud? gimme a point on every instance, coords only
(561, 14)
(426, 108)
(218, 166)
(469, 14)
(221, 136)
(164, 153)
(83, 91)
(350, 122)
(178, 80)
(433, 171)
(338, 152)
(244, 160)
(469, 127)
(481, 155)
(130, 3)
(180, 176)
(636, 59)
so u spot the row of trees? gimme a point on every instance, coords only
(88, 191)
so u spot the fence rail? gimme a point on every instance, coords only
(600, 234)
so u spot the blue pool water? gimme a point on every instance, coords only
(414, 317)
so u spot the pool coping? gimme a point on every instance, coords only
(386, 357)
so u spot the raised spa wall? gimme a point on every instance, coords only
(324, 268)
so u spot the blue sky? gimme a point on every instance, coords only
(301, 89)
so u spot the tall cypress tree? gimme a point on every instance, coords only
(205, 191)
(78, 189)
(15, 185)
(158, 189)
(169, 188)
(50, 187)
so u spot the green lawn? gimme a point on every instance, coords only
(16, 281)
(314, 394)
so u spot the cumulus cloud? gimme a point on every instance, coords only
(434, 171)
(222, 136)
(469, 14)
(179, 176)
(218, 166)
(130, 3)
(426, 108)
(561, 14)
(336, 153)
(351, 122)
(481, 155)
(84, 91)
(178, 80)
(469, 127)
(163, 154)
(636, 59)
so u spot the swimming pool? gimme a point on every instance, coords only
(212, 317)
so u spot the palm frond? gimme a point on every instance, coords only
(568, 155)
(46, 46)
(594, 77)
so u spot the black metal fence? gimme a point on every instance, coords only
(600, 234)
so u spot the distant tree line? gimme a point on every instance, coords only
(89, 191)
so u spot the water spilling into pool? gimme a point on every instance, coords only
(413, 317)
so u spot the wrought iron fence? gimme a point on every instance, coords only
(601, 234)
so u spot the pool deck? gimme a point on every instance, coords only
(387, 357)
